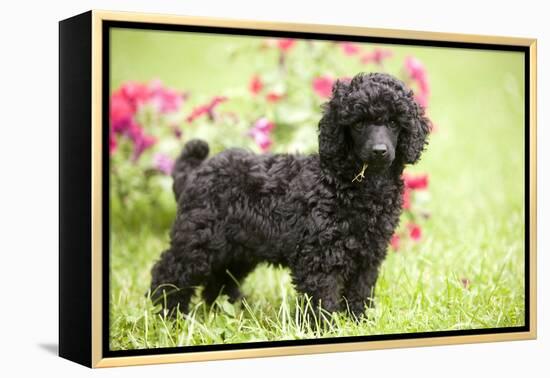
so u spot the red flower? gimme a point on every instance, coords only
(377, 56)
(406, 198)
(394, 242)
(207, 109)
(256, 85)
(322, 85)
(350, 48)
(273, 97)
(415, 232)
(419, 182)
(285, 44)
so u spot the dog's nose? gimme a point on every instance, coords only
(379, 150)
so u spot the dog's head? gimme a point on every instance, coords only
(372, 120)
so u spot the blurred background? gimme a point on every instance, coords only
(457, 259)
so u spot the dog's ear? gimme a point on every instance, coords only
(414, 136)
(332, 144)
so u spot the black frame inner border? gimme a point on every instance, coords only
(108, 25)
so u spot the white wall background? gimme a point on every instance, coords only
(28, 186)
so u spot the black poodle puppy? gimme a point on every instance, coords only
(328, 216)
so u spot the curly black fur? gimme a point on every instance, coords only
(238, 209)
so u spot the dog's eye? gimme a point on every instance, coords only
(357, 126)
(393, 124)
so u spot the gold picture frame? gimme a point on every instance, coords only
(82, 255)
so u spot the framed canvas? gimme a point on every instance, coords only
(234, 189)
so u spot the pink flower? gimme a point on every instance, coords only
(285, 44)
(166, 100)
(260, 132)
(419, 182)
(140, 139)
(264, 125)
(394, 242)
(350, 48)
(274, 97)
(206, 109)
(135, 93)
(263, 140)
(377, 56)
(256, 85)
(415, 68)
(163, 163)
(417, 74)
(322, 85)
(141, 144)
(125, 103)
(415, 232)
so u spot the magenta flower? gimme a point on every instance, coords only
(125, 103)
(140, 139)
(135, 93)
(350, 48)
(163, 163)
(121, 113)
(377, 56)
(322, 85)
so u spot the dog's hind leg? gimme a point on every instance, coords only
(227, 281)
(174, 280)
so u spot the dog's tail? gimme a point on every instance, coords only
(193, 154)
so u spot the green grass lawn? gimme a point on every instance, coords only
(467, 271)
